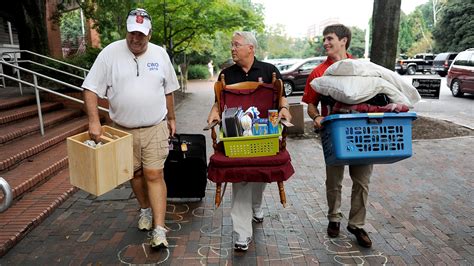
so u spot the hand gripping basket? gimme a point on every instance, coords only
(369, 138)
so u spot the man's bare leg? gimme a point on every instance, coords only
(156, 194)
(139, 187)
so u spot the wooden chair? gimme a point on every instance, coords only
(275, 168)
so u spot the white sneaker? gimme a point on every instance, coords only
(242, 245)
(258, 215)
(158, 238)
(146, 219)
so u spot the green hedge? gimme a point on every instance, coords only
(198, 72)
(86, 59)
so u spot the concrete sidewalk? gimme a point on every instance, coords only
(420, 212)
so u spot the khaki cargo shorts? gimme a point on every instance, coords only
(150, 145)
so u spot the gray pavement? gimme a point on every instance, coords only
(420, 212)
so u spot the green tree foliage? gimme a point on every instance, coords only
(183, 25)
(198, 72)
(109, 17)
(415, 34)
(220, 51)
(276, 44)
(357, 47)
(437, 26)
(455, 29)
(405, 35)
(71, 27)
(317, 45)
(422, 30)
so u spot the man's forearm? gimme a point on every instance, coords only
(284, 103)
(170, 106)
(313, 111)
(90, 101)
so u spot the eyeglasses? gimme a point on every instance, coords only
(140, 12)
(237, 45)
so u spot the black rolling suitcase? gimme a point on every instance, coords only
(186, 167)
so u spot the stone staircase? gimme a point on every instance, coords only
(35, 166)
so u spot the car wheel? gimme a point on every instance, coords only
(442, 74)
(411, 70)
(456, 88)
(289, 87)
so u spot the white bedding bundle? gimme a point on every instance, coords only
(355, 81)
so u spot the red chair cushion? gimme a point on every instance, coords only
(253, 169)
(264, 97)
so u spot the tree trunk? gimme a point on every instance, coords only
(385, 26)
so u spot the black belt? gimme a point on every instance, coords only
(138, 127)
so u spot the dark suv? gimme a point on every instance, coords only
(294, 78)
(461, 73)
(442, 62)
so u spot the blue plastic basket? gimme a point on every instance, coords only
(369, 138)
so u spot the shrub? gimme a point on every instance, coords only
(198, 72)
(86, 59)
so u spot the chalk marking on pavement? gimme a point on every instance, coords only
(173, 206)
(119, 255)
(210, 232)
(360, 258)
(144, 251)
(204, 210)
(343, 241)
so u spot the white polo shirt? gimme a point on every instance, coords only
(134, 86)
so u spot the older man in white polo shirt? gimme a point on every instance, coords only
(138, 79)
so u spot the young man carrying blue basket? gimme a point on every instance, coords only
(337, 39)
(367, 122)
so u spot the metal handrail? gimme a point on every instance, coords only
(13, 57)
(7, 192)
(38, 87)
(4, 186)
(8, 53)
(51, 68)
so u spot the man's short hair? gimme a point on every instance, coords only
(341, 31)
(248, 36)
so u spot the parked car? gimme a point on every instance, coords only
(461, 73)
(294, 78)
(283, 63)
(419, 63)
(287, 64)
(442, 62)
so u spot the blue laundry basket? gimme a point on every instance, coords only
(367, 138)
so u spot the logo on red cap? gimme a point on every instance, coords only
(139, 20)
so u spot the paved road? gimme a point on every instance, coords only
(459, 110)
(420, 212)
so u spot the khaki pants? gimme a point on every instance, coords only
(360, 175)
(246, 196)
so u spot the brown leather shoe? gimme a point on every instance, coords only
(362, 237)
(333, 229)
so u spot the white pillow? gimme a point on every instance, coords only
(357, 89)
(351, 67)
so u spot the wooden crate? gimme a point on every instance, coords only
(99, 170)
